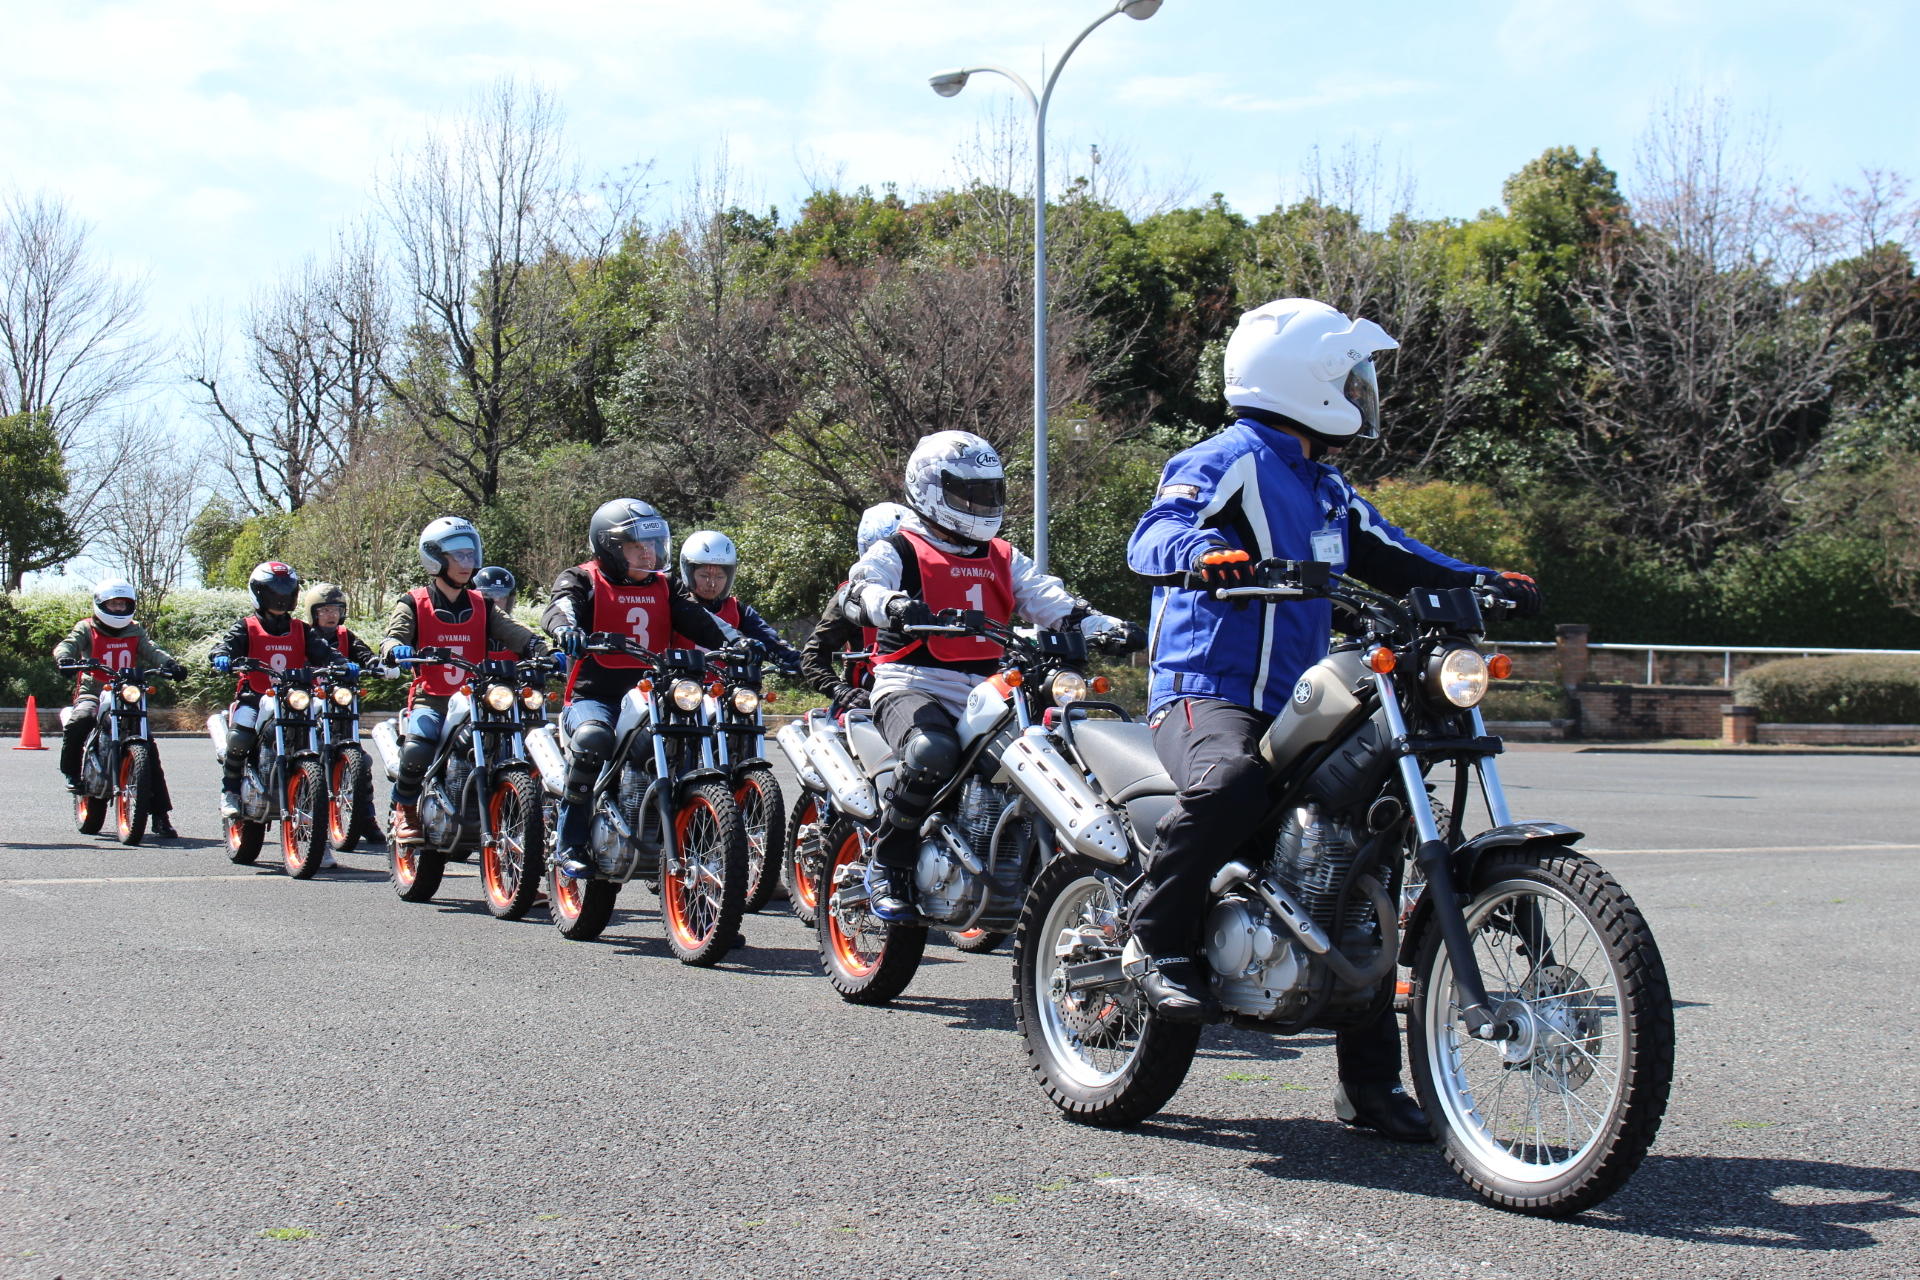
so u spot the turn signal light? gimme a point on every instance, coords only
(1499, 666)
(1102, 685)
(1403, 988)
(771, 695)
(467, 689)
(1013, 678)
(646, 686)
(1381, 661)
(716, 688)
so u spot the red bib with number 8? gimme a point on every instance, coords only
(430, 631)
(949, 581)
(637, 609)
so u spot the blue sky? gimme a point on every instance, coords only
(214, 143)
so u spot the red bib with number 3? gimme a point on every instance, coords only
(282, 653)
(430, 631)
(637, 609)
(728, 612)
(949, 581)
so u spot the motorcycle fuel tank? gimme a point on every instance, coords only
(1322, 698)
(633, 711)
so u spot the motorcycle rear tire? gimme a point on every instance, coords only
(89, 813)
(757, 798)
(303, 831)
(513, 864)
(799, 867)
(245, 840)
(860, 975)
(581, 909)
(133, 792)
(701, 904)
(414, 871)
(975, 942)
(349, 795)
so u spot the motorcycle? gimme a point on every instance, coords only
(662, 811)
(1540, 1022)
(740, 749)
(481, 792)
(820, 732)
(283, 780)
(343, 761)
(989, 828)
(119, 761)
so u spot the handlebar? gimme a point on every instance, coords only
(526, 668)
(140, 674)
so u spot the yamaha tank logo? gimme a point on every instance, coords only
(1303, 692)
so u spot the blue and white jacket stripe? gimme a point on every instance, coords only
(1252, 488)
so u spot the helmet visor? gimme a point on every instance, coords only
(461, 549)
(1363, 393)
(642, 531)
(118, 606)
(975, 496)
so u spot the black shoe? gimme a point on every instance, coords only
(1177, 990)
(74, 785)
(162, 827)
(1383, 1107)
(890, 893)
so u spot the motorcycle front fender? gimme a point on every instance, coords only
(692, 778)
(1465, 860)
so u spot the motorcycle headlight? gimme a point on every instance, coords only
(298, 699)
(687, 694)
(1459, 676)
(499, 698)
(746, 701)
(1068, 686)
(532, 699)
(342, 696)
(130, 693)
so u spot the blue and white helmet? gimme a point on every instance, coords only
(958, 485)
(882, 520)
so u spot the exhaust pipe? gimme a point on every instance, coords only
(386, 743)
(1064, 798)
(851, 789)
(792, 738)
(217, 730)
(544, 746)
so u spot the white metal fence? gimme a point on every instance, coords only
(1727, 652)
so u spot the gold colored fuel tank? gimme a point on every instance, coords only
(1322, 698)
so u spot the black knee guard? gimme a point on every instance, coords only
(239, 747)
(416, 756)
(591, 744)
(927, 762)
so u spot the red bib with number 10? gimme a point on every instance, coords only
(949, 581)
(637, 609)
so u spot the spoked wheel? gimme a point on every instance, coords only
(303, 832)
(132, 792)
(581, 909)
(758, 800)
(244, 840)
(975, 941)
(703, 879)
(801, 865)
(349, 788)
(512, 863)
(866, 960)
(1554, 1120)
(1101, 1055)
(414, 872)
(89, 813)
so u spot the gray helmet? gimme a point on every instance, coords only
(446, 539)
(625, 520)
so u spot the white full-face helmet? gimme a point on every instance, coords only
(957, 484)
(881, 520)
(108, 607)
(1306, 362)
(709, 547)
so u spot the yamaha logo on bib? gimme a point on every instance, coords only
(1303, 692)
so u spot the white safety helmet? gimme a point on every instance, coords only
(956, 482)
(882, 520)
(709, 547)
(1306, 362)
(113, 589)
(448, 539)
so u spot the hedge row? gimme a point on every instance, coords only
(1842, 689)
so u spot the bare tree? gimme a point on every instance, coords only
(308, 390)
(146, 510)
(496, 238)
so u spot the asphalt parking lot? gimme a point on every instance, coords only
(210, 1070)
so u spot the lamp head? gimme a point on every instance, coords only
(1139, 10)
(948, 83)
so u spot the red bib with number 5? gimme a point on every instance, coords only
(282, 653)
(468, 639)
(637, 609)
(950, 581)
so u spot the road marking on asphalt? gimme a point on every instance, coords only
(235, 877)
(1347, 1244)
(1771, 848)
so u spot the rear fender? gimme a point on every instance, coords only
(1466, 860)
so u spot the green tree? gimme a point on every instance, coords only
(35, 532)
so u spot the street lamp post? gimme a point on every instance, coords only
(948, 83)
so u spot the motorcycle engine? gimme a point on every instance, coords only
(253, 795)
(437, 818)
(1257, 966)
(947, 889)
(612, 855)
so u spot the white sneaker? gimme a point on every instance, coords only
(326, 860)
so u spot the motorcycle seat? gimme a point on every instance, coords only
(869, 746)
(1121, 755)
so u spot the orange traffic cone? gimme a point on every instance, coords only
(30, 728)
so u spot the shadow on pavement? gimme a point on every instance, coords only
(976, 1013)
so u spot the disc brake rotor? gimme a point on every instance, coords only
(1567, 1022)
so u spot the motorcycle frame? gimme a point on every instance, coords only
(107, 739)
(482, 722)
(660, 720)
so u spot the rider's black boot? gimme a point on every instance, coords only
(1384, 1107)
(162, 827)
(890, 893)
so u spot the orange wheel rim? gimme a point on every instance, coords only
(336, 818)
(803, 883)
(233, 834)
(79, 808)
(500, 875)
(291, 843)
(404, 865)
(752, 793)
(567, 897)
(968, 935)
(691, 912)
(846, 947)
(122, 797)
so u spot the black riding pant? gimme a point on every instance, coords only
(1211, 750)
(921, 733)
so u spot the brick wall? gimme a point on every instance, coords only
(1842, 735)
(1649, 711)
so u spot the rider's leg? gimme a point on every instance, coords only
(590, 743)
(921, 732)
(1369, 1095)
(73, 738)
(1211, 751)
(424, 724)
(243, 719)
(161, 802)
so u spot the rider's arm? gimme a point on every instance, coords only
(505, 634)
(78, 646)
(400, 626)
(831, 634)
(755, 627)
(320, 650)
(1042, 598)
(359, 651)
(148, 654)
(1196, 489)
(569, 604)
(1385, 557)
(691, 619)
(234, 643)
(874, 580)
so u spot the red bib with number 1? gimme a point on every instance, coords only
(949, 581)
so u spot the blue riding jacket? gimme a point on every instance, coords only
(1252, 488)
